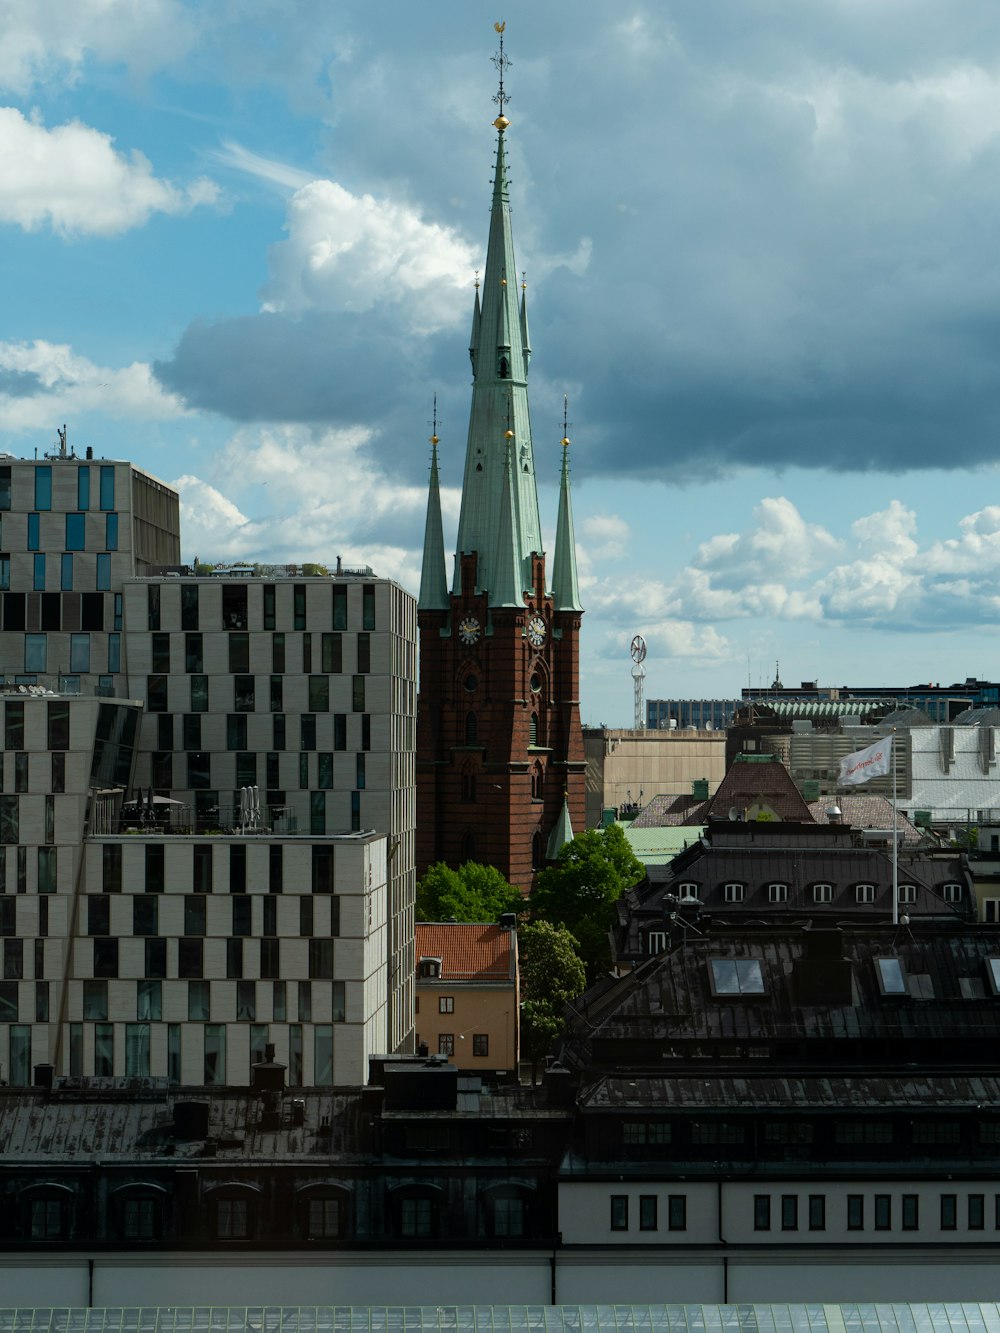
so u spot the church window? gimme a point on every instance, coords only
(471, 729)
(469, 787)
(537, 783)
(503, 371)
(533, 729)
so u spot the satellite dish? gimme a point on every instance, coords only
(734, 814)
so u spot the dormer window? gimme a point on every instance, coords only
(953, 893)
(656, 941)
(907, 893)
(993, 974)
(822, 893)
(777, 893)
(686, 890)
(734, 893)
(430, 967)
(864, 893)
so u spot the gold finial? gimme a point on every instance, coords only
(477, 280)
(434, 428)
(503, 282)
(508, 434)
(502, 62)
(524, 281)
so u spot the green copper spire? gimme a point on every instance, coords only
(499, 403)
(565, 584)
(433, 580)
(506, 589)
(562, 832)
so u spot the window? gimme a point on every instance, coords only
(144, 914)
(65, 574)
(863, 1131)
(322, 869)
(416, 1217)
(75, 532)
(339, 607)
(5, 570)
(446, 1004)
(270, 964)
(319, 694)
(324, 1219)
(855, 1212)
(275, 872)
(299, 606)
(949, 1212)
(822, 893)
(647, 1212)
(619, 1212)
(911, 1212)
(734, 893)
(656, 941)
(95, 1000)
(234, 959)
(789, 1212)
(891, 977)
(79, 653)
(883, 1212)
(508, 1215)
(480, 1044)
(953, 893)
(156, 958)
(358, 694)
(232, 1219)
(234, 606)
(321, 959)
(111, 532)
(140, 1218)
(446, 1043)
(83, 488)
(198, 1001)
(215, 1054)
(148, 1000)
(277, 652)
(937, 1131)
(677, 1212)
(58, 726)
(762, 1212)
(977, 1212)
(364, 653)
(864, 893)
(46, 1217)
(34, 653)
(777, 893)
(332, 653)
(189, 606)
(712, 1132)
(190, 957)
(907, 893)
(43, 487)
(112, 867)
(103, 573)
(741, 976)
(107, 487)
(246, 1000)
(242, 909)
(817, 1212)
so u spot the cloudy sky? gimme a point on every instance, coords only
(761, 244)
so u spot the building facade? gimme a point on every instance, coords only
(499, 742)
(468, 994)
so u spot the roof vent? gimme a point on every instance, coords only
(834, 814)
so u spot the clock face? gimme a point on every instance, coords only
(536, 631)
(468, 630)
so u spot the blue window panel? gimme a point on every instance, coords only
(103, 573)
(107, 487)
(34, 652)
(4, 487)
(83, 488)
(4, 572)
(111, 533)
(43, 488)
(33, 532)
(75, 532)
(66, 573)
(118, 610)
(114, 652)
(39, 579)
(79, 652)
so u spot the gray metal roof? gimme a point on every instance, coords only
(967, 1317)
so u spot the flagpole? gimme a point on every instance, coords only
(895, 837)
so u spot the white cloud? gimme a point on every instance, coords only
(41, 40)
(72, 179)
(356, 252)
(605, 537)
(238, 158)
(781, 542)
(41, 382)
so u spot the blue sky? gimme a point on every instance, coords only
(760, 239)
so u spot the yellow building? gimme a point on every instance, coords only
(467, 994)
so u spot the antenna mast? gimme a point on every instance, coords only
(637, 651)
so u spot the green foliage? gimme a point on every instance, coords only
(313, 571)
(474, 892)
(581, 889)
(551, 974)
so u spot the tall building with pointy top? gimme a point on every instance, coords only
(500, 760)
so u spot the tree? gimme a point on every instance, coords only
(310, 570)
(552, 973)
(474, 892)
(581, 889)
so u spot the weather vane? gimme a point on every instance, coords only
(434, 428)
(502, 62)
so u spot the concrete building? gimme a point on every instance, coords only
(627, 768)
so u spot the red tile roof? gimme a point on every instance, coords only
(468, 952)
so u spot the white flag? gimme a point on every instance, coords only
(864, 764)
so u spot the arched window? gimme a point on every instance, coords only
(533, 729)
(323, 1213)
(416, 1211)
(47, 1212)
(471, 729)
(234, 1211)
(506, 1211)
(537, 783)
(503, 370)
(139, 1212)
(468, 787)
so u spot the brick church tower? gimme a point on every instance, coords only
(500, 762)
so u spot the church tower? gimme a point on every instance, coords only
(500, 762)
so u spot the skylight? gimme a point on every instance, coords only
(891, 977)
(737, 976)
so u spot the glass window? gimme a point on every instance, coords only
(58, 725)
(892, 978)
(339, 607)
(199, 694)
(762, 1212)
(107, 487)
(79, 652)
(5, 571)
(199, 997)
(883, 1212)
(741, 976)
(817, 1212)
(236, 732)
(340, 731)
(154, 881)
(215, 1057)
(193, 653)
(195, 914)
(949, 1212)
(855, 1212)
(647, 1212)
(339, 1002)
(202, 878)
(191, 731)
(103, 573)
(619, 1212)
(199, 770)
(299, 606)
(75, 532)
(789, 1212)
(5, 487)
(278, 652)
(244, 696)
(234, 958)
(83, 488)
(111, 532)
(39, 573)
(307, 732)
(321, 959)
(977, 1212)
(190, 957)
(234, 607)
(104, 1050)
(95, 1000)
(140, 1219)
(34, 533)
(368, 606)
(911, 1212)
(269, 620)
(277, 694)
(43, 487)
(156, 958)
(325, 776)
(279, 731)
(319, 694)
(189, 606)
(332, 653)
(358, 694)
(239, 653)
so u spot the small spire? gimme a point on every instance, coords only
(562, 832)
(506, 562)
(433, 581)
(525, 341)
(565, 582)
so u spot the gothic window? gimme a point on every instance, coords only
(537, 783)
(471, 729)
(503, 370)
(468, 787)
(533, 729)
